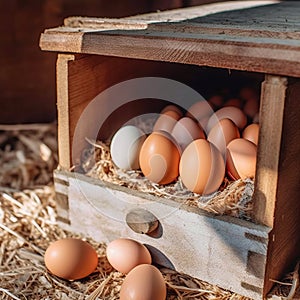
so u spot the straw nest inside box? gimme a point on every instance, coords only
(233, 197)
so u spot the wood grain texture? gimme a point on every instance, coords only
(273, 96)
(61, 185)
(163, 17)
(62, 73)
(207, 247)
(284, 243)
(242, 39)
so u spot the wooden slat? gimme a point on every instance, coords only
(175, 15)
(245, 43)
(257, 55)
(271, 118)
(61, 184)
(64, 147)
(211, 248)
(284, 243)
(86, 24)
(277, 20)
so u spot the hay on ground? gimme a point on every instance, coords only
(28, 225)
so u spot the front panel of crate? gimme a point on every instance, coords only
(227, 252)
(232, 253)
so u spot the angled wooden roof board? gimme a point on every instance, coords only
(260, 36)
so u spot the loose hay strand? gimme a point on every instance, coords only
(9, 294)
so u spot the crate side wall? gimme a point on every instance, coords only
(284, 247)
(273, 96)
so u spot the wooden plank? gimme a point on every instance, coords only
(271, 106)
(284, 244)
(208, 247)
(64, 146)
(224, 51)
(175, 15)
(277, 21)
(61, 185)
(248, 42)
(279, 15)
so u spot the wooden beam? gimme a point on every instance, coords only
(199, 36)
(284, 242)
(64, 146)
(271, 119)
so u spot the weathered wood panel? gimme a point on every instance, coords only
(270, 134)
(248, 42)
(224, 251)
(284, 246)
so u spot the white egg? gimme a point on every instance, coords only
(125, 147)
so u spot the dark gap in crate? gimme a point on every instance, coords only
(206, 81)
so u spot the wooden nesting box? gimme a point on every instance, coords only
(199, 46)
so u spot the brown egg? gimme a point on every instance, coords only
(202, 167)
(185, 131)
(200, 111)
(251, 107)
(125, 254)
(251, 132)
(236, 102)
(172, 108)
(166, 121)
(216, 101)
(247, 92)
(230, 112)
(159, 158)
(144, 282)
(71, 259)
(241, 159)
(222, 133)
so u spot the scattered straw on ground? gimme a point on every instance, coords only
(28, 225)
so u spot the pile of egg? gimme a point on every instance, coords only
(213, 138)
(74, 259)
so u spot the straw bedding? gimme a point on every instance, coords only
(28, 225)
(233, 198)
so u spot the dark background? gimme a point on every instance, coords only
(27, 74)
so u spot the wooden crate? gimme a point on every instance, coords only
(252, 39)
